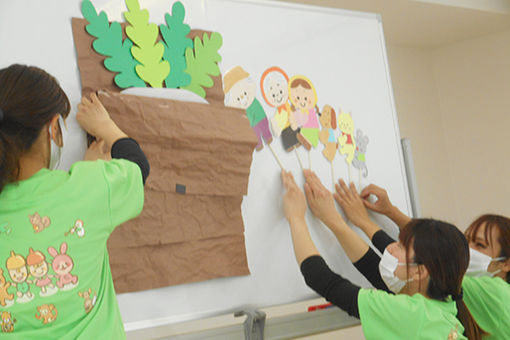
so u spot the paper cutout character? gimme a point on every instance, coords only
(146, 49)
(38, 268)
(176, 42)
(5, 229)
(346, 142)
(39, 223)
(77, 229)
(62, 265)
(18, 272)
(359, 160)
(4, 290)
(303, 97)
(240, 93)
(110, 44)
(202, 62)
(274, 85)
(7, 322)
(327, 134)
(47, 313)
(89, 299)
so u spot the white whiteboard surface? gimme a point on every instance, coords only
(342, 52)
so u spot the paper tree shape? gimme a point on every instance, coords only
(176, 42)
(146, 49)
(109, 43)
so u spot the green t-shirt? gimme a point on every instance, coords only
(387, 317)
(55, 278)
(488, 300)
(255, 113)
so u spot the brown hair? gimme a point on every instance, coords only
(444, 251)
(502, 223)
(300, 82)
(29, 98)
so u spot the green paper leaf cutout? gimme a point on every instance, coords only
(202, 62)
(146, 49)
(174, 35)
(109, 43)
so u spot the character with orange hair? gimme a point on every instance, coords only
(274, 85)
(304, 106)
(38, 268)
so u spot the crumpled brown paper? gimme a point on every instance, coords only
(205, 150)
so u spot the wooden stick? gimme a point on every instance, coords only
(299, 159)
(333, 175)
(359, 174)
(349, 170)
(309, 161)
(276, 157)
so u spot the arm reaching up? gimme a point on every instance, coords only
(323, 207)
(383, 205)
(294, 205)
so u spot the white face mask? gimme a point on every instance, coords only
(387, 267)
(55, 150)
(479, 264)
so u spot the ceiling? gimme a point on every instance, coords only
(430, 23)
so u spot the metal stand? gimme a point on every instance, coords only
(254, 323)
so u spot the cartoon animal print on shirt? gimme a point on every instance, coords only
(77, 229)
(89, 300)
(6, 299)
(38, 268)
(5, 229)
(39, 223)
(47, 313)
(7, 322)
(62, 265)
(16, 265)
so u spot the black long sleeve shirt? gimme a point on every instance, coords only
(128, 148)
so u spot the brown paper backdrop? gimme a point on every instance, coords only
(208, 149)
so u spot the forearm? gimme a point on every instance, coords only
(110, 133)
(333, 287)
(368, 266)
(397, 216)
(369, 227)
(352, 243)
(301, 240)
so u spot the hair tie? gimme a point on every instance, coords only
(459, 296)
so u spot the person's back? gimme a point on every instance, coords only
(55, 278)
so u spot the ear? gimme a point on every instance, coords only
(63, 248)
(55, 132)
(506, 266)
(420, 273)
(333, 119)
(52, 251)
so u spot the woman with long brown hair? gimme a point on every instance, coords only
(425, 268)
(55, 279)
(487, 282)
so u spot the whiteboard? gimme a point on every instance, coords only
(344, 55)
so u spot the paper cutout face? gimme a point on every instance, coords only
(327, 134)
(302, 93)
(274, 85)
(359, 160)
(347, 144)
(242, 94)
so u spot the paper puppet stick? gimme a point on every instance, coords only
(304, 108)
(276, 157)
(349, 171)
(332, 175)
(239, 92)
(327, 136)
(309, 160)
(299, 160)
(274, 85)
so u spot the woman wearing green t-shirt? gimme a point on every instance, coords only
(486, 284)
(430, 305)
(55, 278)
